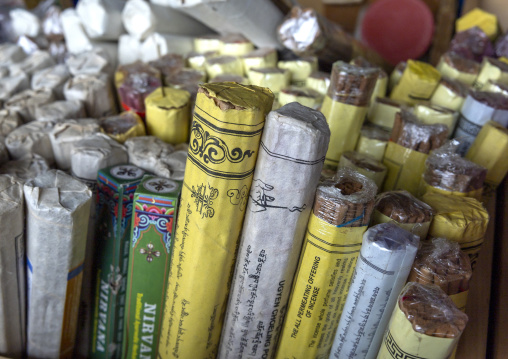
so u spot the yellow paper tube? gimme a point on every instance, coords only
(207, 43)
(225, 135)
(318, 81)
(305, 96)
(223, 65)
(235, 45)
(458, 68)
(417, 83)
(373, 141)
(382, 112)
(260, 58)
(396, 75)
(492, 69)
(496, 86)
(168, 115)
(449, 94)
(197, 60)
(300, 69)
(431, 115)
(273, 78)
(123, 126)
(486, 21)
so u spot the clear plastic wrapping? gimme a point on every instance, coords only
(352, 84)
(409, 132)
(384, 263)
(440, 261)
(306, 33)
(123, 126)
(365, 165)
(472, 44)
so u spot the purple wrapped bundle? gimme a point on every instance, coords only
(472, 44)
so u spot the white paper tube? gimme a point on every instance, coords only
(75, 36)
(159, 44)
(9, 120)
(52, 78)
(10, 54)
(31, 138)
(383, 266)
(24, 22)
(256, 20)
(129, 49)
(25, 103)
(292, 150)
(28, 167)
(101, 19)
(90, 63)
(59, 111)
(11, 85)
(95, 92)
(36, 61)
(12, 273)
(56, 227)
(65, 135)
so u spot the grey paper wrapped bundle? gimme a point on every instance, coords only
(31, 138)
(52, 78)
(10, 54)
(4, 154)
(9, 120)
(65, 135)
(385, 260)
(12, 264)
(101, 19)
(93, 153)
(36, 61)
(59, 111)
(56, 228)
(156, 156)
(95, 92)
(25, 103)
(91, 62)
(293, 146)
(28, 167)
(11, 85)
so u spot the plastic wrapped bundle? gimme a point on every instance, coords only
(365, 165)
(491, 69)
(305, 96)
(231, 116)
(300, 69)
(26, 102)
(58, 207)
(432, 114)
(134, 83)
(274, 78)
(318, 81)
(472, 44)
(373, 141)
(91, 62)
(37, 61)
(410, 143)
(489, 150)
(448, 173)
(273, 204)
(459, 219)
(24, 22)
(382, 112)
(94, 91)
(382, 79)
(10, 54)
(60, 111)
(123, 126)
(478, 109)
(11, 85)
(345, 107)
(225, 64)
(306, 33)
(168, 115)
(12, 276)
(405, 210)
(441, 262)
(342, 211)
(260, 58)
(31, 138)
(159, 44)
(9, 120)
(141, 18)
(256, 21)
(417, 84)
(456, 67)
(64, 135)
(449, 94)
(52, 78)
(101, 19)
(207, 43)
(168, 64)
(425, 323)
(384, 263)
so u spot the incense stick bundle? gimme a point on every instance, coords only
(25, 103)
(432, 114)
(373, 141)
(293, 147)
(31, 138)
(491, 69)
(59, 111)
(396, 75)
(123, 126)
(168, 64)
(235, 44)
(260, 58)
(456, 67)
(38, 60)
(13, 84)
(52, 78)
(9, 120)
(224, 64)
(449, 94)
(318, 81)
(91, 62)
(300, 68)
(425, 323)
(274, 78)
(342, 210)
(304, 96)
(28, 167)
(101, 19)
(418, 82)
(158, 44)
(385, 260)
(365, 165)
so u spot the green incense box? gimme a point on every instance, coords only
(115, 192)
(155, 207)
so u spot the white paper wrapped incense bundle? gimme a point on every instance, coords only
(12, 275)
(141, 18)
(11, 53)
(129, 49)
(24, 22)
(31, 138)
(25, 102)
(345, 107)
(52, 78)
(257, 20)
(28, 167)
(75, 35)
(11, 85)
(95, 92)
(159, 44)
(342, 210)
(60, 111)
(365, 165)
(293, 146)
(58, 207)
(101, 19)
(90, 63)
(385, 261)
(425, 324)
(4, 154)
(64, 135)
(9, 120)
(36, 61)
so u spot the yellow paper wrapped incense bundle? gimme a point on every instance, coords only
(418, 82)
